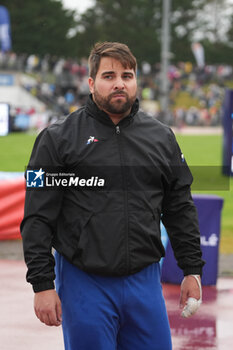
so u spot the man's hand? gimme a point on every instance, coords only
(190, 288)
(47, 306)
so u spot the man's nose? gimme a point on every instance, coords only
(119, 84)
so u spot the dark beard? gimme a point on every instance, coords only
(118, 107)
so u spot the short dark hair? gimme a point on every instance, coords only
(119, 51)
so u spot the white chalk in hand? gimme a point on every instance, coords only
(191, 307)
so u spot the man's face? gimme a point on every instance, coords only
(114, 88)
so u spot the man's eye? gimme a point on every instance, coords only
(107, 77)
(127, 76)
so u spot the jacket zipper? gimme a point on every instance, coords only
(118, 132)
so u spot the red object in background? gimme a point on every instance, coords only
(12, 195)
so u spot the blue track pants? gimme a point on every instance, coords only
(112, 313)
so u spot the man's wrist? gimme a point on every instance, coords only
(193, 271)
(40, 287)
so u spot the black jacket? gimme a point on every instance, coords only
(112, 230)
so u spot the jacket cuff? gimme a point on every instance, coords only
(40, 287)
(193, 270)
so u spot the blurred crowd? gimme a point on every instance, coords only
(195, 94)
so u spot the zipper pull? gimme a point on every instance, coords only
(118, 130)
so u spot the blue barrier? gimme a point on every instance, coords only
(209, 214)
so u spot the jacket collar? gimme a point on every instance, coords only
(96, 113)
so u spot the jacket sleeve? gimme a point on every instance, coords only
(42, 207)
(179, 214)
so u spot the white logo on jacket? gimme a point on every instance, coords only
(91, 140)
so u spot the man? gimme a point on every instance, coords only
(107, 240)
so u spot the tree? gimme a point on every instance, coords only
(217, 53)
(131, 22)
(40, 27)
(183, 26)
(138, 24)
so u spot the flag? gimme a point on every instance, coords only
(5, 35)
(199, 54)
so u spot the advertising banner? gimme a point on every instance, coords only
(5, 34)
(4, 119)
(6, 79)
(228, 133)
(12, 195)
(209, 214)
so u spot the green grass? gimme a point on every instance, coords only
(15, 150)
(206, 150)
(199, 150)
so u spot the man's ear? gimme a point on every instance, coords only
(91, 83)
